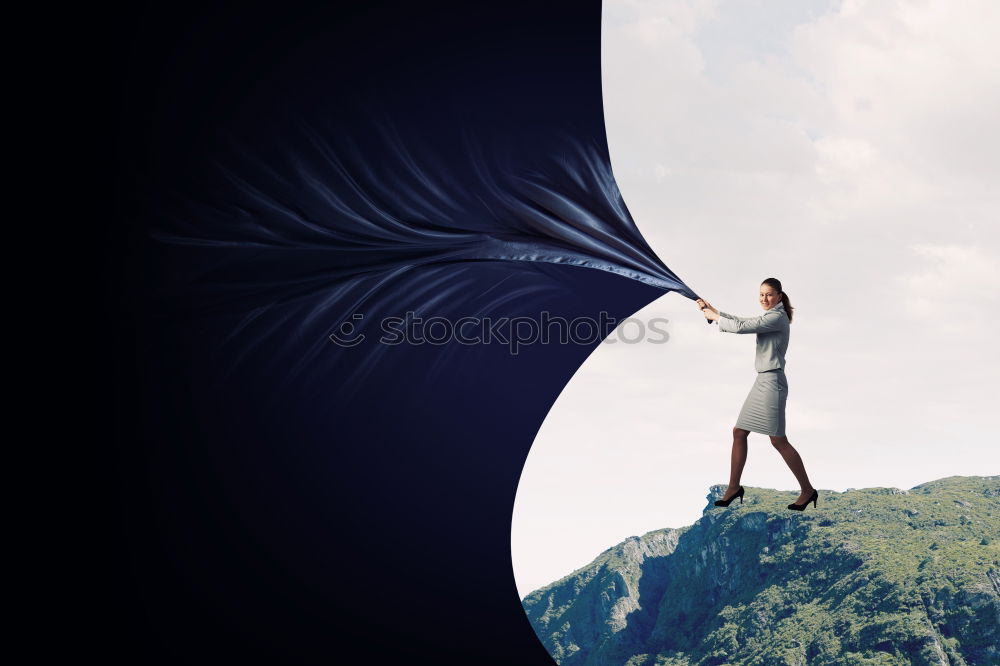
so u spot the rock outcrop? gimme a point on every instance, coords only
(870, 576)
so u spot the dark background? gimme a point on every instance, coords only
(228, 524)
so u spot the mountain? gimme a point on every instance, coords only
(870, 576)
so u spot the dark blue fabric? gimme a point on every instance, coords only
(381, 209)
(293, 166)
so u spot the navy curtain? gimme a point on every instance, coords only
(294, 172)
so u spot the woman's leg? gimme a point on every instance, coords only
(737, 461)
(794, 462)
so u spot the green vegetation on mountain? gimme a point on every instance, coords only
(871, 576)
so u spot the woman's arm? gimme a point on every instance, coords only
(705, 305)
(772, 320)
(712, 313)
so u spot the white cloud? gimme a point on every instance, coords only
(961, 279)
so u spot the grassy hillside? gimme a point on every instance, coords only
(871, 576)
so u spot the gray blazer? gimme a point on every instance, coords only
(772, 330)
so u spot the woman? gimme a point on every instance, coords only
(764, 408)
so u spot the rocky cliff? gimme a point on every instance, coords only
(870, 576)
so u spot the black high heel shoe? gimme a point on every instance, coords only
(726, 502)
(802, 507)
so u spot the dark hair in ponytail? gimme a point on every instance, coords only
(776, 284)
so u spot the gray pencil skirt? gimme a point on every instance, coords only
(764, 409)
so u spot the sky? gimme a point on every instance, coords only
(848, 149)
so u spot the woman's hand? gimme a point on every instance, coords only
(710, 313)
(703, 305)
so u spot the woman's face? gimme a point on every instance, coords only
(769, 297)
